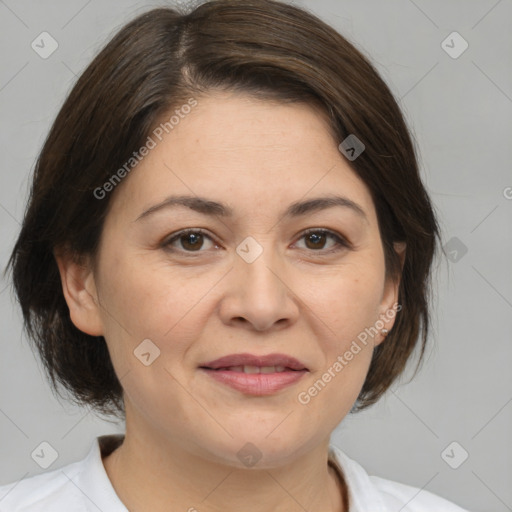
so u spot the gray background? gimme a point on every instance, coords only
(460, 111)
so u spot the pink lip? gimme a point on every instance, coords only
(253, 360)
(256, 383)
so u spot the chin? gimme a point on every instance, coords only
(258, 450)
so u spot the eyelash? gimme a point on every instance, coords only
(341, 243)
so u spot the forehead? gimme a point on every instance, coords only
(247, 152)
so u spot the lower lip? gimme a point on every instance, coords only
(256, 383)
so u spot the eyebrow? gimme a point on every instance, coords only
(213, 208)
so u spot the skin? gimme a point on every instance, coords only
(184, 429)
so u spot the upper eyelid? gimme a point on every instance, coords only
(175, 236)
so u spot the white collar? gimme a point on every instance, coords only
(363, 495)
(93, 480)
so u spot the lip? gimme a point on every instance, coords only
(254, 360)
(259, 384)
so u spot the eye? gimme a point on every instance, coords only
(191, 240)
(316, 238)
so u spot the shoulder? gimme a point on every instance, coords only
(411, 499)
(81, 486)
(381, 495)
(53, 490)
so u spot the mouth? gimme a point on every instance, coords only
(255, 375)
(253, 369)
(254, 363)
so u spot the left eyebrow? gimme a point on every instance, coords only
(214, 208)
(322, 203)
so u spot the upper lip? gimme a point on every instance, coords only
(254, 360)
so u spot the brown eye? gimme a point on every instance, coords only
(316, 239)
(192, 240)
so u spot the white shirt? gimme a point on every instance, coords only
(84, 486)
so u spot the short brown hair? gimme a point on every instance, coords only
(264, 48)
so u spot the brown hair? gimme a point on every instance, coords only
(264, 48)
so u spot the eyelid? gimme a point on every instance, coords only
(341, 241)
(176, 235)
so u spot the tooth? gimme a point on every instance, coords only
(251, 369)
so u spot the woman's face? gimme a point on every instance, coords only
(250, 282)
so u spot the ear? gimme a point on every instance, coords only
(389, 303)
(80, 292)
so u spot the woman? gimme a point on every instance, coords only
(229, 245)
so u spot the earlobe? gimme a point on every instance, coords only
(79, 290)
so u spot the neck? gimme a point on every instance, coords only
(149, 472)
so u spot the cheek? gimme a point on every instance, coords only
(147, 302)
(347, 312)
(153, 301)
(349, 302)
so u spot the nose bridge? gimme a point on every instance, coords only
(258, 293)
(258, 263)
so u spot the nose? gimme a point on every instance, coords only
(259, 295)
